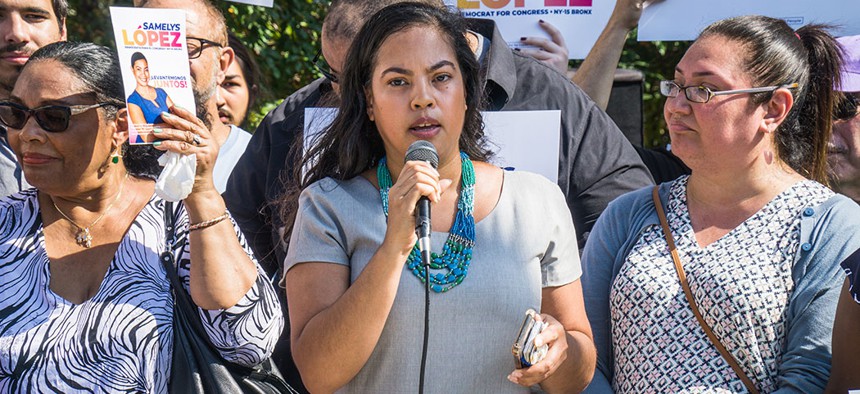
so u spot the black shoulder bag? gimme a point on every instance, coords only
(197, 367)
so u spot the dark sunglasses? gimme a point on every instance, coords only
(323, 67)
(52, 118)
(846, 107)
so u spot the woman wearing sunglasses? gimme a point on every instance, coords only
(86, 303)
(758, 236)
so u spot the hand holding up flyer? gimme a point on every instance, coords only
(579, 21)
(153, 51)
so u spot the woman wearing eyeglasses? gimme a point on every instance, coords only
(86, 304)
(758, 235)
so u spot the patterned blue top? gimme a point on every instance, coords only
(121, 340)
(151, 110)
(741, 282)
(768, 289)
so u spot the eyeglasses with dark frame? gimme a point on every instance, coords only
(846, 107)
(703, 94)
(323, 67)
(195, 50)
(51, 118)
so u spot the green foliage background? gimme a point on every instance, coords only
(657, 60)
(286, 37)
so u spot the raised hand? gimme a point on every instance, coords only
(551, 51)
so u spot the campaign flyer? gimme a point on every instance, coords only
(153, 56)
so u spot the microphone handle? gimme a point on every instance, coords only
(422, 229)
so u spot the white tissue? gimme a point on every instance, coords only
(177, 178)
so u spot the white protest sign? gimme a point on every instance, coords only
(522, 140)
(682, 20)
(265, 3)
(316, 121)
(153, 56)
(580, 21)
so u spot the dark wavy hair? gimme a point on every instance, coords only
(352, 143)
(97, 67)
(777, 55)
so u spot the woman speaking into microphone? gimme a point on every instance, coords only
(503, 242)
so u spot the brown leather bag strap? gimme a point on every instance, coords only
(686, 286)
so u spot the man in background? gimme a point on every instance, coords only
(597, 72)
(209, 56)
(25, 26)
(843, 153)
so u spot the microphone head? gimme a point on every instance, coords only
(423, 151)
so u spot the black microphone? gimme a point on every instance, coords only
(423, 151)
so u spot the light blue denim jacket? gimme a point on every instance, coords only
(833, 231)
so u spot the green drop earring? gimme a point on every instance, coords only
(114, 157)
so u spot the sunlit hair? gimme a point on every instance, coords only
(774, 54)
(97, 68)
(352, 143)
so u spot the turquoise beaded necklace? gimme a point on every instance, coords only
(452, 265)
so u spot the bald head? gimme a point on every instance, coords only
(205, 22)
(342, 23)
(346, 17)
(204, 19)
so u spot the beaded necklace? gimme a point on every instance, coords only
(453, 264)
